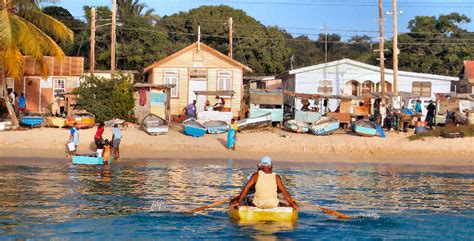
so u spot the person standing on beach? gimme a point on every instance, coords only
(21, 104)
(55, 111)
(98, 134)
(191, 109)
(116, 138)
(232, 134)
(431, 114)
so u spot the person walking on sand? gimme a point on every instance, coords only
(116, 138)
(267, 184)
(191, 109)
(232, 134)
(98, 134)
(74, 137)
(431, 114)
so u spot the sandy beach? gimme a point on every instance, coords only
(280, 144)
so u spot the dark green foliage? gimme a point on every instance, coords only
(107, 99)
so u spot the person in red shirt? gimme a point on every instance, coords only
(98, 134)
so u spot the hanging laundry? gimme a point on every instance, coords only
(142, 96)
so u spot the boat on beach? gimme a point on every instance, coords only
(216, 126)
(154, 125)
(192, 127)
(325, 126)
(113, 122)
(248, 214)
(255, 122)
(83, 120)
(31, 119)
(54, 121)
(89, 160)
(5, 125)
(297, 126)
(365, 128)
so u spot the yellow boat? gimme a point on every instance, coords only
(247, 214)
(56, 121)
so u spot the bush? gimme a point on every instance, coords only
(467, 131)
(107, 99)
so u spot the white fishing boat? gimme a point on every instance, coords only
(154, 125)
(255, 122)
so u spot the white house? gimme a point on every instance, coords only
(349, 77)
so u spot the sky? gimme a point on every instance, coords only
(308, 17)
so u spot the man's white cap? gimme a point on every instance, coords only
(266, 161)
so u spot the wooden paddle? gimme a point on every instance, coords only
(214, 204)
(325, 210)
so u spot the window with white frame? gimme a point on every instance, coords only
(224, 80)
(59, 87)
(171, 77)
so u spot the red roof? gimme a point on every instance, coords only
(469, 70)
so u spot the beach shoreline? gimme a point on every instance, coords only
(279, 144)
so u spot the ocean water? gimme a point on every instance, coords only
(147, 199)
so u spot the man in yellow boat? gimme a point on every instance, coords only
(267, 184)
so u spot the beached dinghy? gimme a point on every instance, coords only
(31, 119)
(255, 122)
(5, 125)
(297, 126)
(83, 120)
(249, 214)
(89, 160)
(365, 128)
(325, 126)
(216, 126)
(193, 128)
(54, 121)
(154, 125)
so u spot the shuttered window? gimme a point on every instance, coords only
(171, 77)
(224, 80)
(423, 89)
(325, 87)
(59, 87)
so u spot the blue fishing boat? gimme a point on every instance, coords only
(297, 126)
(193, 128)
(216, 126)
(365, 128)
(89, 160)
(31, 119)
(325, 126)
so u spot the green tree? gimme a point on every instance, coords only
(26, 30)
(107, 99)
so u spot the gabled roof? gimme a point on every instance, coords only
(369, 67)
(469, 70)
(202, 47)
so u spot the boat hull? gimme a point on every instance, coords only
(216, 127)
(155, 125)
(88, 160)
(5, 125)
(325, 127)
(159, 130)
(193, 128)
(248, 214)
(255, 122)
(56, 121)
(297, 126)
(31, 120)
(365, 131)
(83, 120)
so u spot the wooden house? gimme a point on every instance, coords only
(63, 77)
(199, 67)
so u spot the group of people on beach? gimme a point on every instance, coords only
(12, 98)
(104, 147)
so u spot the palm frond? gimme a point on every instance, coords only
(13, 61)
(6, 38)
(26, 40)
(57, 29)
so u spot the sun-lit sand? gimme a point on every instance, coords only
(280, 144)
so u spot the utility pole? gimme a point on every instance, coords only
(292, 59)
(199, 38)
(113, 38)
(230, 37)
(326, 44)
(395, 48)
(92, 48)
(382, 58)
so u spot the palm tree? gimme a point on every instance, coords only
(26, 30)
(133, 8)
